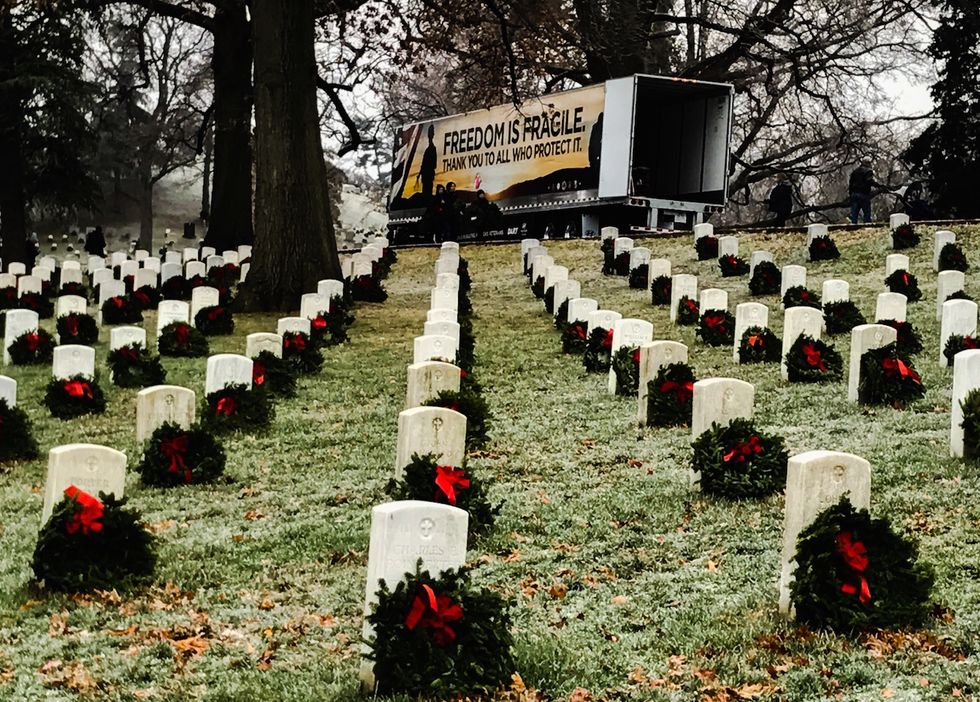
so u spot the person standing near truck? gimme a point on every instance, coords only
(859, 188)
(427, 169)
(781, 201)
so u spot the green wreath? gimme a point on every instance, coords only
(626, 365)
(622, 264)
(739, 461)
(759, 345)
(274, 374)
(660, 290)
(688, 313)
(958, 295)
(175, 288)
(133, 366)
(147, 297)
(32, 348)
(462, 645)
(226, 275)
(237, 407)
(67, 398)
(574, 337)
(70, 289)
(367, 288)
(330, 328)
(706, 248)
(214, 321)
(766, 279)
(298, 351)
(670, 396)
(732, 266)
(717, 328)
(903, 282)
(466, 351)
(799, 296)
(904, 237)
(177, 456)
(37, 303)
(93, 544)
(952, 258)
(424, 480)
(598, 351)
(956, 343)
(888, 379)
(471, 405)
(841, 317)
(810, 360)
(8, 298)
(17, 441)
(638, 276)
(180, 339)
(971, 425)
(823, 248)
(909, 342)
(561, 315)
(854, 573)
(77, 328)
(608, 262)
(121, 309)
(537, 287)
(549, 300)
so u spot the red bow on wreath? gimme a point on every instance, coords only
(33, 340)
(814, 358)
(743, 450)
(78, 388)
(319, 323)
(463, 374)
(607, 340)
(855, 556)
(895, 366)
(692, 305)
(579, 330)
(258, 373)
(755, 340)
(226, 406)
(87, 513)
(118, 302)
(729, 260)
(142, 298)
(182, 333)
(71, 325)
(294, 342)
(636, 356)
(683, 392)
(214, 313)
(127, 352)
(712, 321)
(175, 448)
(448, 479)
(804, 294)
(969, 342)
(430, 611)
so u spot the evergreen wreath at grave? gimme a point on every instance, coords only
(463, 271)
(598, 351)
(909, 341)
(133, 366)
(956, 343)
(952, 258)
(16, 437)
(37, 303)
(214, 321)
(8, 298)
(72, 289)
(272, 373)
(766, 279)
(799, 296)
(622, 264)
(93, 543)
(626, 365)
(706, 248)
(660, 290)
(823, 248)
(549, 300)
(717, 328)
(608, 262)
(77, 328)
(904, 237)
(237, 407)
(464, 308)
(759, 345)
(574, 337)
(888, 379)
(537, 287)
(971, 425)
(439, 637)
(330, 328)
(855, 573)
(121, 309)
(389, 256)
(300, 353)
(470, 404)
(226, 275)
(367, 288)
(67, 398)
(561, 315)
(841, 317)
(175, 288)
(424, 480)
(466, 353)
(732, 266)
(958, 295)
(670, 396)
(226, 295)
(197, 281)
(32, 348)
(738, 461)
(180, 339)
(638, 276)
(147, 297)
(177, 456)
(903, 282)
(810, 360)
(688, 313)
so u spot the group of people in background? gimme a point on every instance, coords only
(448, 218)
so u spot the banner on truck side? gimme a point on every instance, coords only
(548, 146)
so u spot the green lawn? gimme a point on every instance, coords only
(624, 582)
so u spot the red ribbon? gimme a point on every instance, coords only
(258, 373)
(855, 556)
(319, 322)
(804, 294)
(127, 352)
(214, 313)
(182, 333)
(743, 450)
(636, 356)
(226, 406)
(118, 302)
(78, 388)
(33, 340)
(755, 340)
(448, 479)
(607, 339)
(430, 611)
(142, 298)
(895, 366)
(814, 358)
(579, 330)
(683, 392)
(294, 342)
(714, 320)
(87, 513)
(175, 448)
(71, 324)
(692, 305)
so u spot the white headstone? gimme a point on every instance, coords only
(757, 258)
(294, 325)
(204, 296)
(815, 230)
(431, 347)
(169, 270)
(27, 284)
(331, 288)
(141, 254)
(748, 315)
(553, 274)
(798, 321)
(719, 401)
(943, 237)
(312, 305)
(68, 275)
(891, 306)
(540, 265)
(70, 304)
(8, 390)
(815, 481)
(960, 318)
(227, 369)
(126, 336)
(449, 281)
(654, 355)
(628, 332)
(71, 360)
(206, 252)
(230, 257)
(566, 290)
(16, 268)
(528, 244)
(622, 244)
(8, 280)
(835, 290)
(657, 268)
(94, 263)
(966, 377)
(190, 254)
(117, 258)
(728, 246)
(89, 467)
(145, 278)
(195, 268)
(174, 257)
(17, 322)
(441, 315)
(440, 298)
(428, 379)
(713, 299)
(609, 233)
(170, 311)
(244, 251)
(450, 329)
(42, 273)
(263, 341)
(704, 229)
(160, 404)
(865, 337)
(111, 288)
(896, 262)
(792, 277)
(603, 319)
(214, 262)
(581, 308)
(897, 220)
(435, 430)
(947, 283)
(128, 268)
(70, 266)
(682, 285)
(639, 256)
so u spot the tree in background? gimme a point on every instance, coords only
(948, 151)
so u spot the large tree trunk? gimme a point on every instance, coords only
(294, 237)
(230, 222)
(146, 214)
(13, 200)
(206, 180)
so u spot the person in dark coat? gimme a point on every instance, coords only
(482, 215)
(781, 201)
(95, 242)
(859, 189)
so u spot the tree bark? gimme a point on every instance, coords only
(206, 180)
(146, 214)
(13, 199)
(294, 235)
(230, 222)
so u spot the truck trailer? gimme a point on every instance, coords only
(642, 153)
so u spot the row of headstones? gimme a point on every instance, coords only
(404, 531)
(362, 262)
